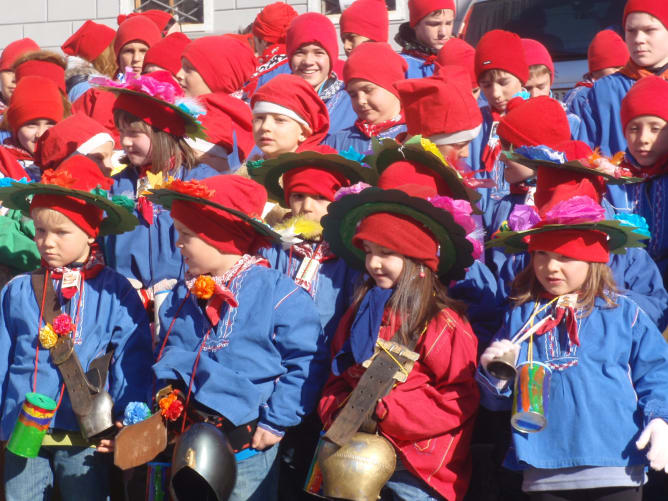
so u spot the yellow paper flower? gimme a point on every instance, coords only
(427, 145)
(204, 287)
(48, 337)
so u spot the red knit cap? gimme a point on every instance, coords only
(524, 123)
(501, 50)
(439, 109)
(409, 172)
(367, 18)
(536, 53)
(34, 98)
(15, 50)
(313, 28)
(229, 70)
(76, 133)
(418, 9)
(584, 245)
(89, 41)
(314, 180)
(656, 8)
(44, 69)
(456, 52)
(98, 104)
(271, 24)
(86, 176)
(648, 96)
(375, 62)
(136, 29)
(402, 234)
(290, 95)
(160, 18)
(166, 53)
(607, 50)
(219, 228)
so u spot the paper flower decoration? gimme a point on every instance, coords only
(634, 220)
(135, 412)
(351, 190)
(123, 201)
(171, 407)
(47, 337)
(204, 287)
(427, 145)
(60, 178)
(523, 217)
(63, 325)
(461, 211)
(193, 188)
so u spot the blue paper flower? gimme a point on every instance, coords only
(136, 412)
(524, 94)
(353, 155)
(542, 152)
(635, 221)
(5, 182)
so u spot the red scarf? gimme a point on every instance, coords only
(72, 275)
(560, 313)
(429, 59)
(371, 130)
(632, 70)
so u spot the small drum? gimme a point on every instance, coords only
(532, 393)
(31, 426)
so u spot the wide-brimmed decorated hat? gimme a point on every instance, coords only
(447, 220)
(269, 172)
(425, 153)
(76, 172)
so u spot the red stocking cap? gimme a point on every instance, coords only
(89, 41)
(219, 228)
(86, 175)
(367, 18)
(607, 50)
(408, 172)
(402, 234)
(656, 8)
(160, 18)
(536, 53)
(443, 110)
(418, 9)
(456, 52)
(649, 96)
(229, 70)
(136, 29)
(98, 104)
(313, 28)
(524, 123)
(166, 53)
(33, 98)
(314, 180)
(375, 62)
(271, 24)
(45, 69)
(15, 50)
(501, 50)
(295, 97)
(584, 245)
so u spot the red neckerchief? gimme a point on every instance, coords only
(9, 162)
(584, 84)
(632, 70)
(371, 130)
(429, 59)
(491, 152)
(75, 274)
(320, 254)
(560, 313)
(18, 151)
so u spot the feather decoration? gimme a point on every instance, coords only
(297, 229)
(191, 106)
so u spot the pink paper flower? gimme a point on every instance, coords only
(63, 324)
(351, 190)
(578, 209)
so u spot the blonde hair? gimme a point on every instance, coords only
(539, 70)
(105, 63)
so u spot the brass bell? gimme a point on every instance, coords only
(358, 470)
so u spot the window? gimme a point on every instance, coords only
(398, 9)
(329, 7)
(194, 15)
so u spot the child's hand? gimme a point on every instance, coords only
(497, 349)
(263, 439)
(107, 444)
(656, 434)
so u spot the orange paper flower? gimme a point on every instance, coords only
(193, 188)
(171, 407)
(204, 287)
(62, 178)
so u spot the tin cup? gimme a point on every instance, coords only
(31, 426)
(531, 397)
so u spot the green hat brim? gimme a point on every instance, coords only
(344, 215)
(166, 198)
(269, 172)
(118, 219)
(620, 236)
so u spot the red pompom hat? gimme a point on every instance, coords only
(44, 69)
(229, 70)
(89, 41)
(166, 53)
(607, 50)
(160, 18)
(375, 62)
(536, 53)
(98, 104)
(648, 96)
(402, 234)
(293, 97)
(86, 176)
(33, 98)
(15, 50)
(443, 111)
(656, 8)
(501, 50)
(76, 134)
(314, 180)
(136, 29)
(220, 229)
(313, 28)
(417, 9)
(367, 18)
(524, 123)
(456, 52)
(271, 24)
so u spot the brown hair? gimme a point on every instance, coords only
(599, 283)
(539, 70)
(105, 63)
(495, 73)
(167, 152)
(416, 300)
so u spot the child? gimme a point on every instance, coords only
(313, 54)
(165, 55)
(103, 313)
(134, 37)
(257, 340)
(364, 21)
(162, 19)
(602, 352)
(10, 54)
(456, 52)
(406, 245)
(369, 74)
(429, 27)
